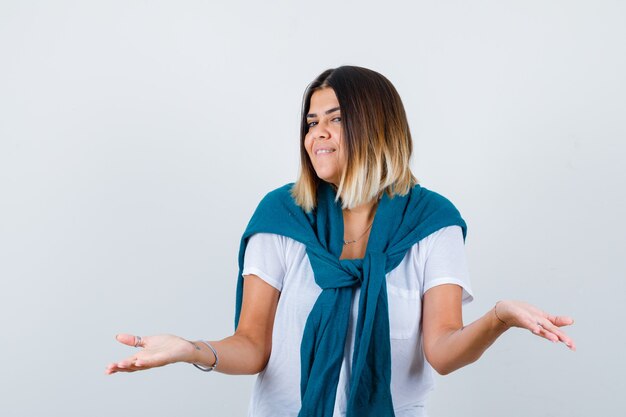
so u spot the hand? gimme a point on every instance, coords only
(155, 351)
(540, 323)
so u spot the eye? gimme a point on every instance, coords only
(336, 119)
(311, 124)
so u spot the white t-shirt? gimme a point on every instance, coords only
(283, 263)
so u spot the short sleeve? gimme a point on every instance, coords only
(265, 258)
(445, 261)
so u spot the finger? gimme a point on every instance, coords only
(551, 332)
(541, 332)
(127, 363)
(536, 328)
(127, 366)
(152, 361)
(142, 360)
(124, 369)
(110, 369)
(561, 320)
(139, 342)
(130, 340)
(127, 339)
(114, 368)
(531, 324)
(566, 340)
(554, 334)
(133, 365)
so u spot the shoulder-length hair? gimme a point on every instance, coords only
(375, 134)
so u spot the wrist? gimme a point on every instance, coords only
(498, 320)
(205, 356)
(195, 353)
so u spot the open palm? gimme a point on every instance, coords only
(155, 351)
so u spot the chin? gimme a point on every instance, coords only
(332, 182)
(328, 175)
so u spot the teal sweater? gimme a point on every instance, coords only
(399, 223)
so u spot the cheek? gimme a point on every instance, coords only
(342, 148)
(308, 144)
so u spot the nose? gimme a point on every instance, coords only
(319, 131)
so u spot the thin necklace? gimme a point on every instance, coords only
(348, 242)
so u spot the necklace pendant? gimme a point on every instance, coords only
(348, 242)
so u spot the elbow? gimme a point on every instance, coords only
(259, 350)
(255, 363)
(257, 369)
(261, 362)
(442, 368)
(444, 365)
(441, 362)
(439, 365)
(443, 371)
(264, 355)
(437, 361)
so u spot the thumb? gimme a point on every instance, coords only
(128, 339)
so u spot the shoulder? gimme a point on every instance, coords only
(435, 210)
(283, 191)
(278, 213)
(279, 197)
(424, 195)
(445, 236)
(425, 203)
(275, 244)
(277, 200)
(442, 237)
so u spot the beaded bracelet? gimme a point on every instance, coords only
(206, 368)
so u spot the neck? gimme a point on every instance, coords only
(357, 223)
(363, 212)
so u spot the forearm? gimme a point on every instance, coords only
(456, 348)
(238, 355)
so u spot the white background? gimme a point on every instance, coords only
(136, 138)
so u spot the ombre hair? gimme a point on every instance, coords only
(375, 134)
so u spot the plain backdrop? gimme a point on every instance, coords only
(137, 137)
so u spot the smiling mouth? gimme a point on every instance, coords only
(324, 151)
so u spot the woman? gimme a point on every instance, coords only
(352, 279)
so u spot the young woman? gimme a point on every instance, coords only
(352, 279)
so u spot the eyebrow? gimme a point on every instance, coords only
(329, 111)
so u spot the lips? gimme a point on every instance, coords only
(323, 151)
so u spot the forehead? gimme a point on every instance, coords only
(322, 100)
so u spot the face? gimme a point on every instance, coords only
(323, 141)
